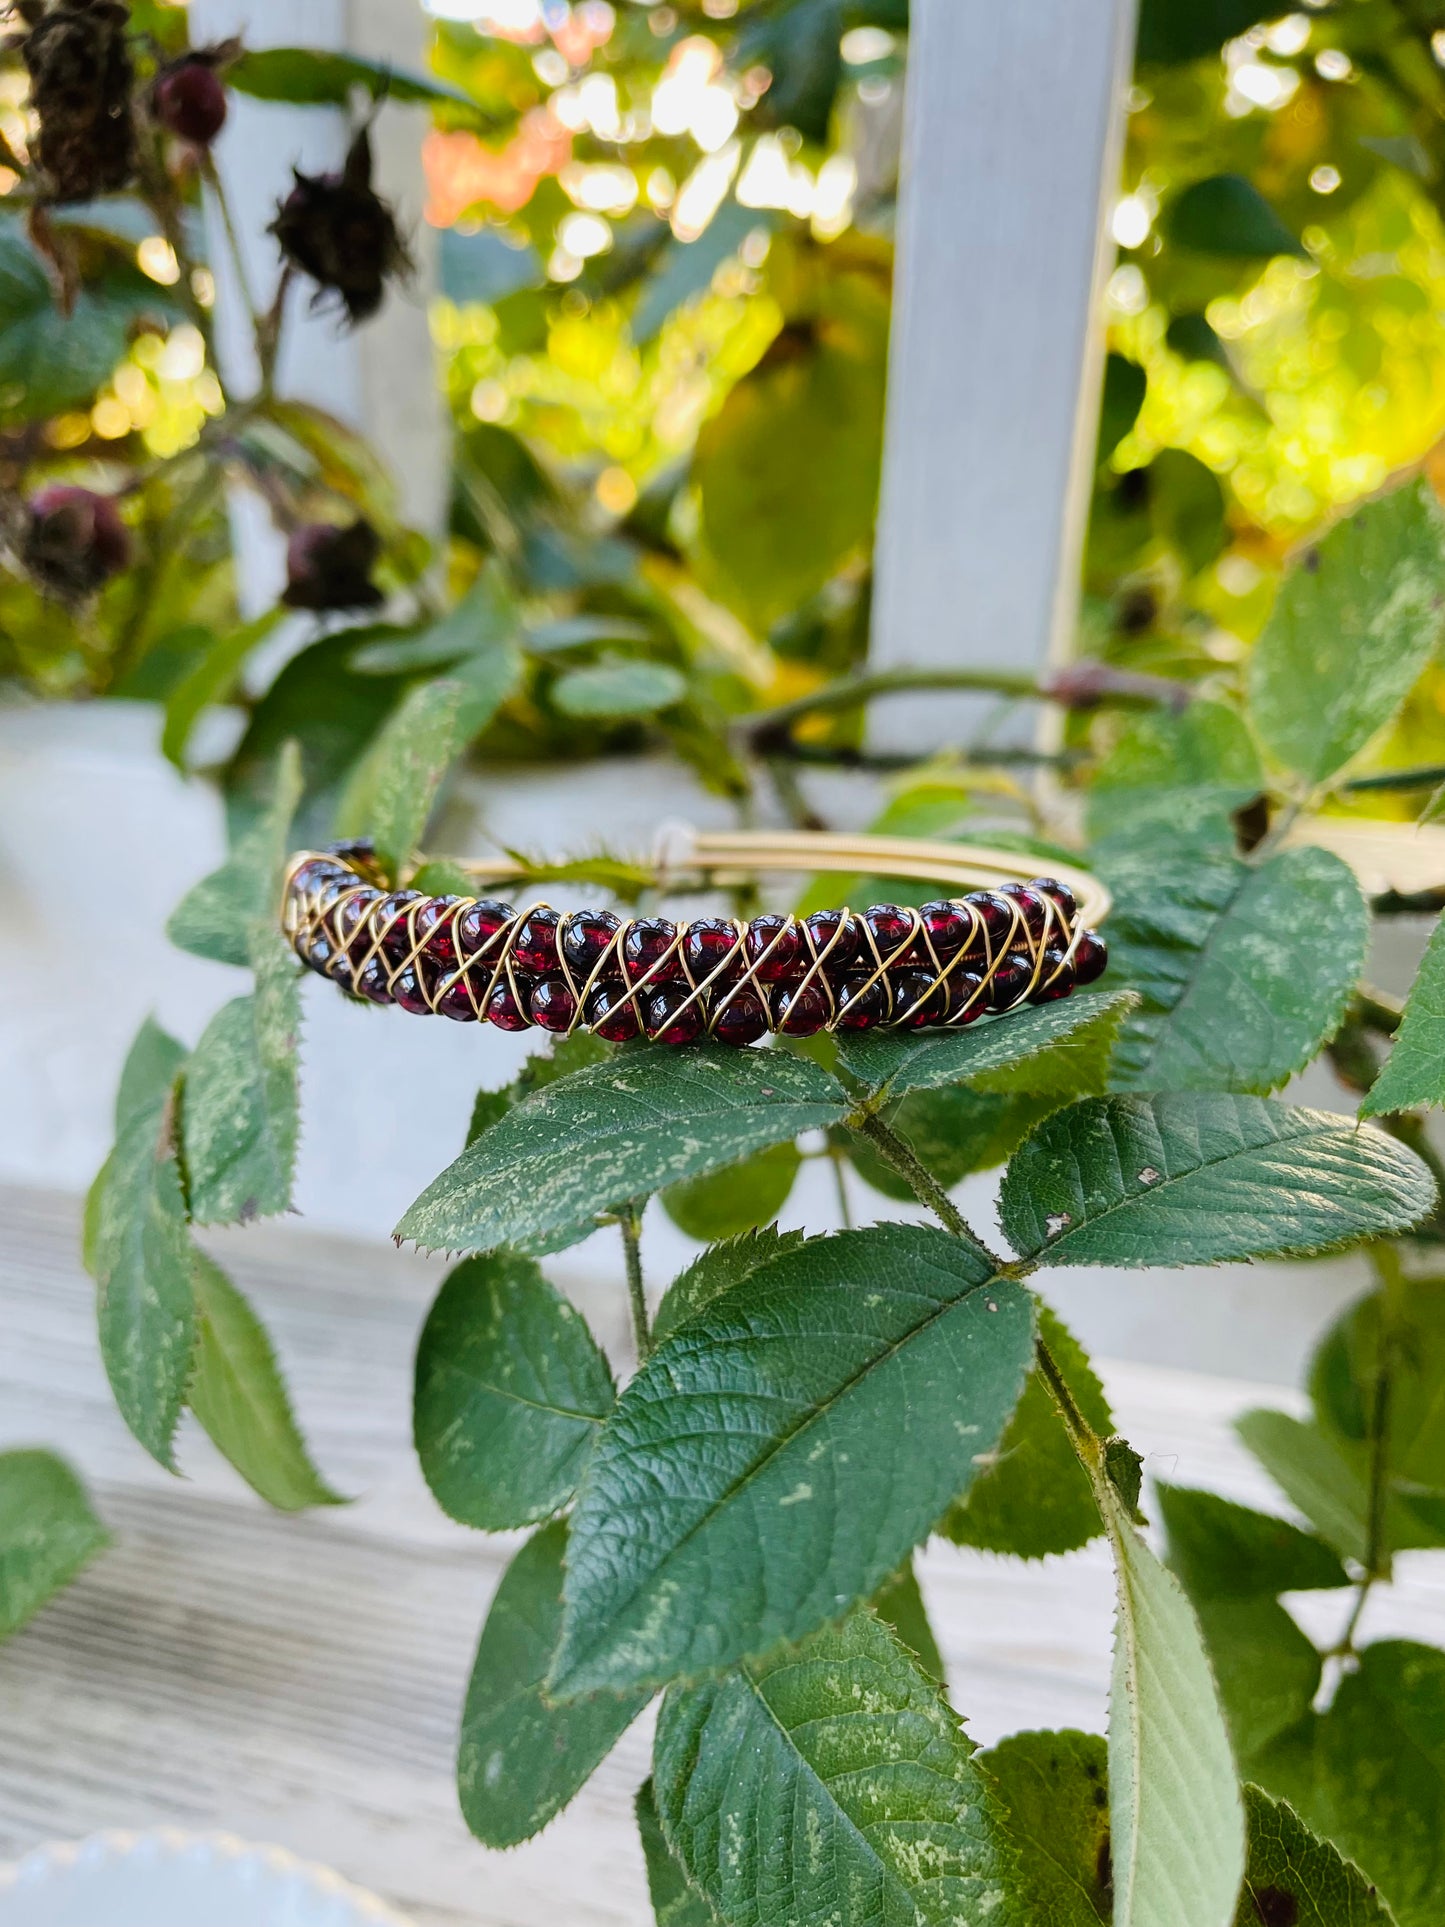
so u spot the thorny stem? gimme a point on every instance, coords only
(630, 1223)
(845, 1212)
(1085, 1440)
(892, 1149)
(212, 177)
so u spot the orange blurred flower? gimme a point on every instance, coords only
(461, 170)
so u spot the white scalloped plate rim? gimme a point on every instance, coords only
(58, 1857)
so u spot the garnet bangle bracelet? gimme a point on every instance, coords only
(1011, 942)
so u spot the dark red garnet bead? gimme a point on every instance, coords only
(773, 947)
(480, 922)
(918, 999)
(1091, 957)
(742, 1019)
(667, 1021)
(609, 1014)
(1056, 976)
(891, 928)
(862, 1004)
(646, 941)
(410, 992)
(456, 1002)
(318, 953)
(1031, 906)
(392, 914)
(319, 870)
(371, 982)
(352, 921)
(508, 1009)
(435, 924)
(833, 936)
(534, 943)
(1062, 895)
(585, 939)
(552, 1004)
(997, 915)
(800, 1010)
(1009, 981)
(948, 926)
(964, 1001)
(712, 943)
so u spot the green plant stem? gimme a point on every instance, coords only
(630, 1224)
(1085, 1440)
(1426, 776)
(845, 1212)
(924, 1186)
(213, 181)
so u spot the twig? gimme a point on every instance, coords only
(920, 1181)
(630, 1223)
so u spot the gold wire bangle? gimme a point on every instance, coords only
(464, 957)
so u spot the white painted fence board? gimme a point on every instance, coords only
(1011, 143)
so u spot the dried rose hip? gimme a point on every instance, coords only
(81, 79)
(586, 938)
(674, 1015)
(188, 100)
(330, 568)
(337, 229)
(610, 1015)
(552, 1004)
(773, 947)
(74, 540)
(742, 1019)
(645, 943)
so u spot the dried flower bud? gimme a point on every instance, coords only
(188, 99)
(337, 229)
(330, 568)
(74, 541)
(80, 88)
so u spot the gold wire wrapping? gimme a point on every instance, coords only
(313, 920)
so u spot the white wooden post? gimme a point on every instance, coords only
(379, 378)
(1010, 160)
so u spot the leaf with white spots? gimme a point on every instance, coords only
(784, 1450)
(833, 1786)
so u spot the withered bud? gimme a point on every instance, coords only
(330, 568)
(337, 229)
(74, 541)
(81, 80)
(188, 99)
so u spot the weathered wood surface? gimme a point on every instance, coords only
(299, 1680)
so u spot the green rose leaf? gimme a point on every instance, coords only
(139, 1252)
(1172, 31)
(47, 1533)
(1035, 1498)
(618, 688)
(1171, 774)
(393, 789)
(1368, 1775)
(1055, 1787)
(211, 681)
(723, 1203)
(313, 77)
(675, 1901)
(1317, 1473)
(238, 1394)
(754, 1430)
(1400, 1330)
(240, 1119)
(1354, 623)
(717, 1270)
(510, 1389)
(521, 1757)
(618, 1130)
(1176, 1821)
(218, 917)
(1414, 1073)
(1052, 1049)
(831, 1786)
(1294, 1876)
(1244, 971)
(1196, 1179)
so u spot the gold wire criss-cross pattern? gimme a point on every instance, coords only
(342, 921)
